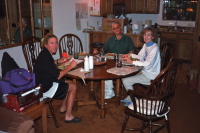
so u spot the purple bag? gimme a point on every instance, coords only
(17, 80)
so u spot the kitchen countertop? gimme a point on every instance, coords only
(176, 32)
(159, 31)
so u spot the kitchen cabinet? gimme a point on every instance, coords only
(102, 37)
(104, 7)
(128, 6)
(183, 44)
(145, 6)
(101, 7)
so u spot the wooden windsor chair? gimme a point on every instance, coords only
(71, 43)
(31, 49)
(154, 105)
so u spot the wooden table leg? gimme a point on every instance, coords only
(103, 109)
(117, 91)
(92, 96)
(91, 91)
(75, 106)
(44, 119)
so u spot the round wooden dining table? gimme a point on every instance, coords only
(99, 73)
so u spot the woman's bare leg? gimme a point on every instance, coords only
(70, 101)
(64, 103)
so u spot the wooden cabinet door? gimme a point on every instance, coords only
(109, 7)
(128, 6)
(168, 37)
(146, 6)
(106, 37)
(105, 7)
(136, 41)
(138, 6)
(95, 37)
(184, 51)
(152, 6)
(118, 2)
(185, 46)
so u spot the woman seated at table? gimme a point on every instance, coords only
(149, 57)
(54, 86)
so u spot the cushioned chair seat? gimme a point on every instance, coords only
(13, 122)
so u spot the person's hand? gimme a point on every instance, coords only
(131, 52)
(62, 60)
(95, 51)
(127, 59)
(72, 64)
(125, 55)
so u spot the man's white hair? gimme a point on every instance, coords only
(116, 23)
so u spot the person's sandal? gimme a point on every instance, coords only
(63, 112)
(74, 120)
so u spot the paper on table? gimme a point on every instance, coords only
(79, 73)
(122, 70)
(64, 65)
(76, 60)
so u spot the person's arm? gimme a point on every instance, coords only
(63, 72)
(149, 59)
(60, 61)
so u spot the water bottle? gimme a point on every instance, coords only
(119, 63)
(91, 62)
(116, 57)
(86, 64)
(102, 55)
(125, 29)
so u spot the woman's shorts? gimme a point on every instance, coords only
(61, 91)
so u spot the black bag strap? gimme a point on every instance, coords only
(17, 86)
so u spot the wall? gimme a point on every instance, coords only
(63, 13)
(64, 21)
(17, 54)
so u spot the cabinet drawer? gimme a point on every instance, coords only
(96, 38)
(186, 37)
(168, 36)
(184, 50)
(106, 37)
(136, 41)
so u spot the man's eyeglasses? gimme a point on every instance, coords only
(115, 28)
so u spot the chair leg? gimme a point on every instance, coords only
(122, 91)
(150, 126)
(125, 123)
(167, 125)
(53, 114)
